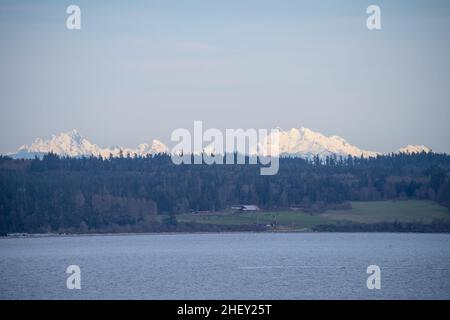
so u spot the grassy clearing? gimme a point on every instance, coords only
(390, 211)
(291, 218)
(362, 212)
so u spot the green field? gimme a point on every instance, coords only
(361, 212)
(390, 211)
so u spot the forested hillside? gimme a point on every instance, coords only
(77, 194)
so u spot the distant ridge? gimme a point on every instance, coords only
(305, 143)
(415, 149)
(296, 142)
(73, 144)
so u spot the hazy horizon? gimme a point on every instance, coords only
(137, 71)
(170, 144)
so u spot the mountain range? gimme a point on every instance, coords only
(73, 144)
(298, 142)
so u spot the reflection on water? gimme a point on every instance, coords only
(227, 266)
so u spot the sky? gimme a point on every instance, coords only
(137, 70)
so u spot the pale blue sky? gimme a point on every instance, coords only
(137, 70)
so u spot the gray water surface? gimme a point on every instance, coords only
(227, 266)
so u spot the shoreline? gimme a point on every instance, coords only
(68, 235)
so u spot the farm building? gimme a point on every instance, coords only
(246, 208)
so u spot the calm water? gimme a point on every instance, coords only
(227, 266)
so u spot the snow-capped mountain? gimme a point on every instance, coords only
(296, 142)
(72, 144)
(306, 143)
(415, 149)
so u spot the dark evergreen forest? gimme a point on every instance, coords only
(59, 194)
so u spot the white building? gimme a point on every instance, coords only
(246, 207)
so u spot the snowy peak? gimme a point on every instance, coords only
(414, 149)
(304, 142)
(296, 142)
(67, 143)
(159, 147)
(154, 148)
(73, 144)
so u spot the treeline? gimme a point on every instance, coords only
(57, 194)
(437, 226)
